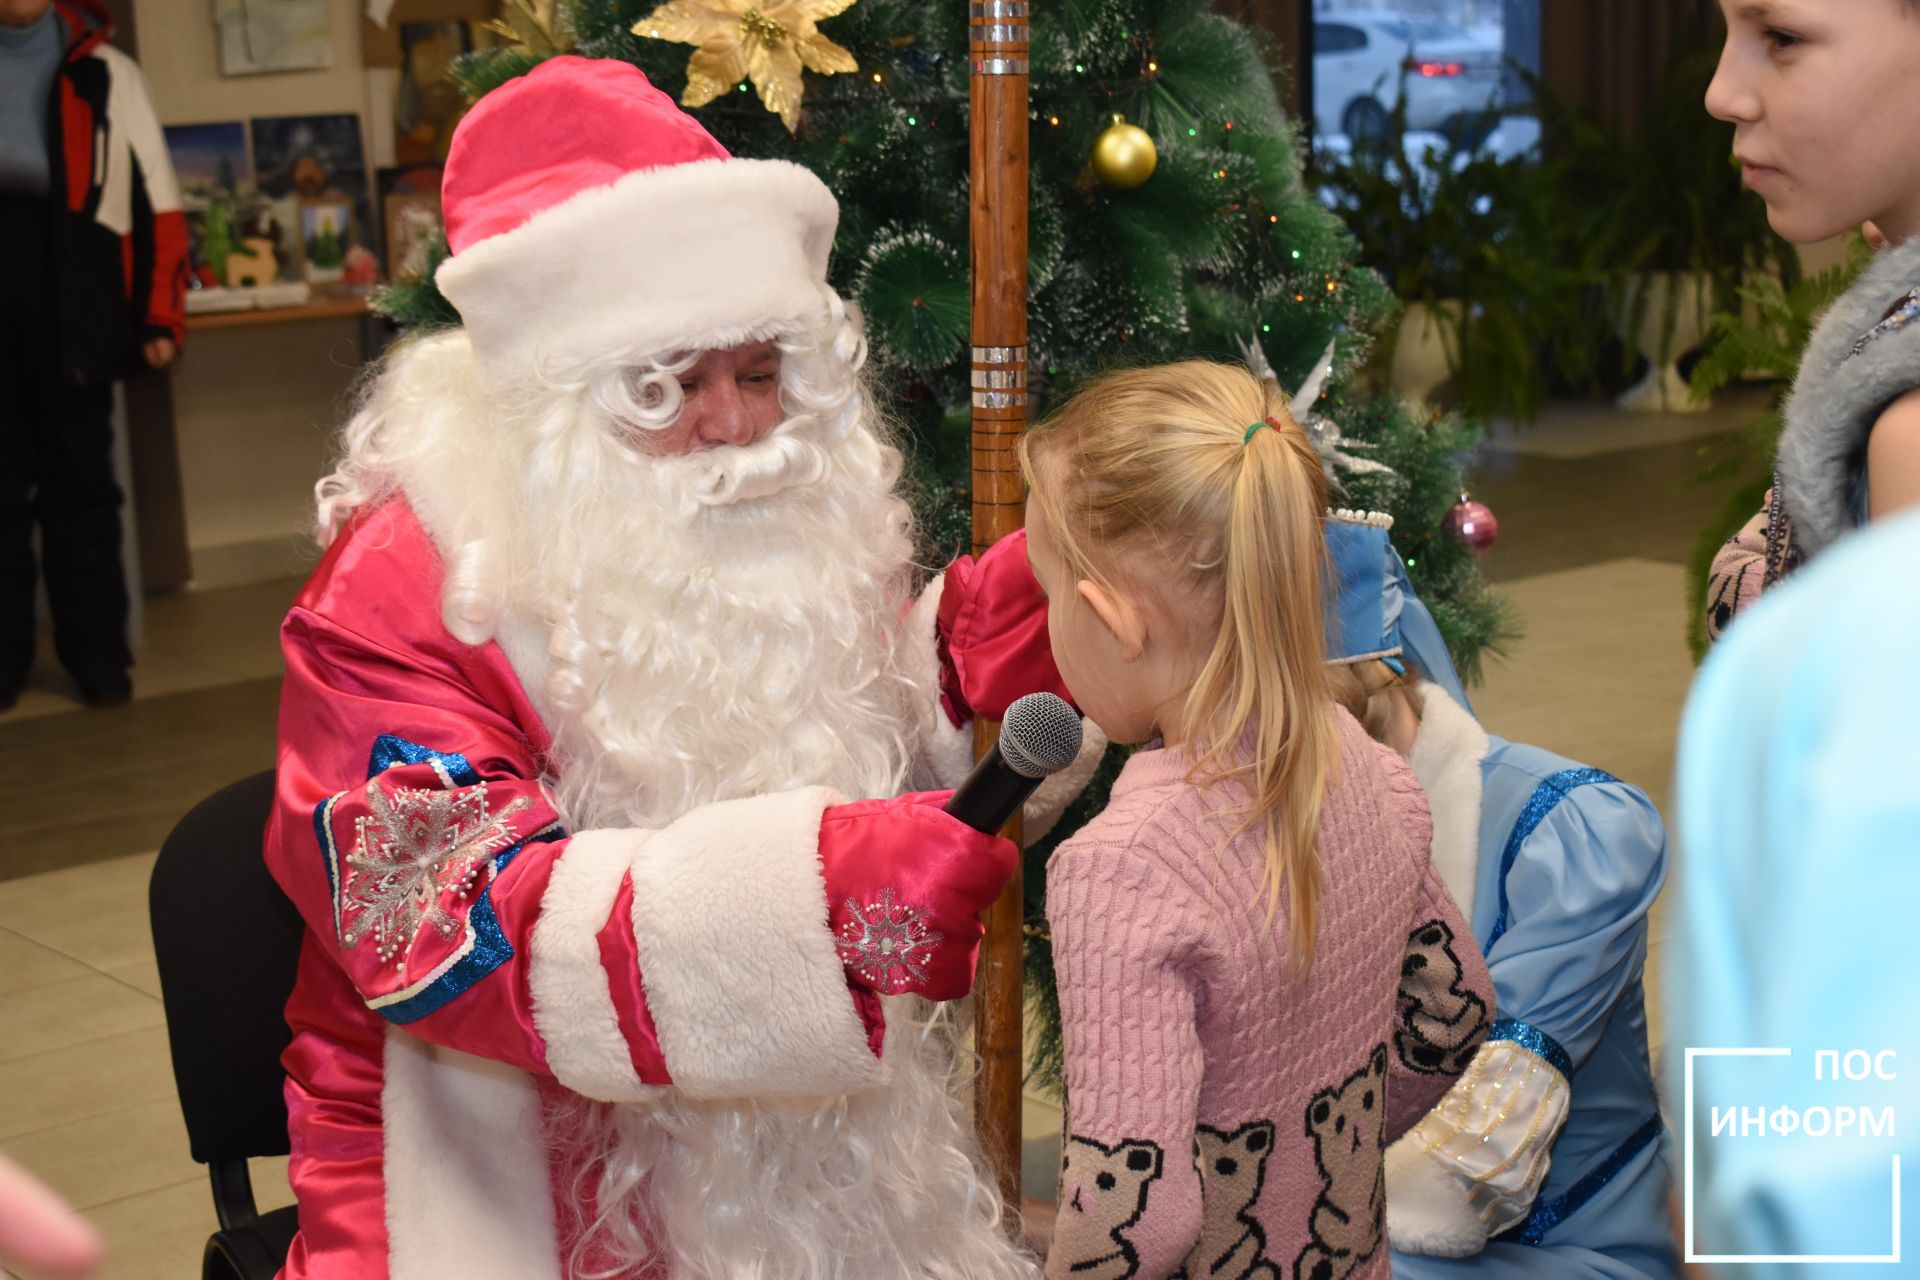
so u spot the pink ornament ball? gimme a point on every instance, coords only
(1473, 524)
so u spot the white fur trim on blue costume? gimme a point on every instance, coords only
(465, 1161)
(746, 989)
(1447, 754)
(683, 257)
(572, 999)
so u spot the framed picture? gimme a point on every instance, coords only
(427, 104)
(313, 158)
(412, 220)
(211, 162)
(408, 179)
(273, 35)
(327, 237)
(409, 212)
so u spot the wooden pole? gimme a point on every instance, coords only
(997, 44)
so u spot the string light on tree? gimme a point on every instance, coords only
(1124, 155)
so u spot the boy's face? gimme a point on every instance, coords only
(1827, 116)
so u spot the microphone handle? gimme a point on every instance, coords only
(991, 794)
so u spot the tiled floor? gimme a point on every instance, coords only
(1596, 521)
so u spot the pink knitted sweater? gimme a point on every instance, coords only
(1220, 1117)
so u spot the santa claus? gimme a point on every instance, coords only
(599, 711)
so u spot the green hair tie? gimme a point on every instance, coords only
(1248, 438)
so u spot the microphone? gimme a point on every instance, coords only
(1040, 735)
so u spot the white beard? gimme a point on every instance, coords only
(692, 630)
(699, 650)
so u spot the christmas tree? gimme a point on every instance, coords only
(1197, 245)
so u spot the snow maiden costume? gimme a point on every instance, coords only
(1864, 355)
(604, 974)
(1544, 1159)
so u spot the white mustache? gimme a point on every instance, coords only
(726, 475)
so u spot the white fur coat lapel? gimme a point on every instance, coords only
(467, 1183)
(1447, 755)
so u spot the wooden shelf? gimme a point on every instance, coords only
(318, 309)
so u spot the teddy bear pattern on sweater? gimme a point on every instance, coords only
(1442, 1023)
(1233, 1167)
(1348, 1125)
(1118, 1175)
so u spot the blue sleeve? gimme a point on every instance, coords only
(1576, 899)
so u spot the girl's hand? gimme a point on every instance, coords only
(1876, 238)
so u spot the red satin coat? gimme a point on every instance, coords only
(465, 954)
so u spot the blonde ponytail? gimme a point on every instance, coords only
(1198, 466)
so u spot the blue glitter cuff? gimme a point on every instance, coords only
(1534, 1041)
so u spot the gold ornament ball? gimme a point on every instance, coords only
(1124, 155)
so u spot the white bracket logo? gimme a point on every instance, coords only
(1737, 1259)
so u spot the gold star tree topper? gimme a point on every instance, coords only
(765, 41)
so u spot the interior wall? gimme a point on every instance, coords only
(254, 408)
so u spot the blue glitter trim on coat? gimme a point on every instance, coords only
(1548, 794)
(1534, 1041)
(454, 769)
(490, 946)
(1550, 1214)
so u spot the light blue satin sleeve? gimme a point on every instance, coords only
(1799, 791)
(1575, 900)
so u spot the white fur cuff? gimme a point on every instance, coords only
(681, 257)
(573, 1006)
(946, 751)
(1428, 1210)
(746, 990)
(1474, 1164)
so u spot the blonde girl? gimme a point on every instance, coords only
(1250, 942)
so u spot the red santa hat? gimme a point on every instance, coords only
(590, 216)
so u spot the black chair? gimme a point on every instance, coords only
(228, 943)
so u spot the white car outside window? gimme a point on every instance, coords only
(1453, 76)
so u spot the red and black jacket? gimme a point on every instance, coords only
(119, 236)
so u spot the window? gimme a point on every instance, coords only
(1336, 37)
(1452, 60)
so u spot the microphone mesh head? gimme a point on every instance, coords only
(1041, 735)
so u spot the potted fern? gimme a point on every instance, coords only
(1666, 210)
(1477, 248)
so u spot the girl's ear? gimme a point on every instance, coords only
(1118, 615)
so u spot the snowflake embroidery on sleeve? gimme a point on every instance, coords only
(887, 943)
(413, 845)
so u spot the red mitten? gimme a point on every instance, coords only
(906, 885)
(992, 634)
